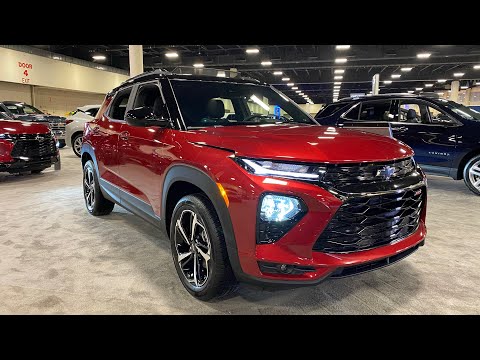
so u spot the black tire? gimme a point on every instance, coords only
(96, 203)
(471, 174)
(219, 279)
(75, 138)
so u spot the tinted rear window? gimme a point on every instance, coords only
(330, 110)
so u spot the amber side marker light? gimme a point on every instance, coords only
(223, 193)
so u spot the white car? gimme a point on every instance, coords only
(75, 124)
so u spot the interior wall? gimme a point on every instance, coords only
(60, 102)
(15, 92)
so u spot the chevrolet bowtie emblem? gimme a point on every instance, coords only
(386, 172)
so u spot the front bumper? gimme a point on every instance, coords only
(30, 165)
(295, 248)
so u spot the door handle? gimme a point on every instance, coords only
(96, 130)
(124, 135)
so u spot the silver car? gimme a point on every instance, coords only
(76, 123)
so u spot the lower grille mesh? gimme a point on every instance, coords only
(363, 223)
(34, 149)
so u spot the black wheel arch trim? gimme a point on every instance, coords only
(204, 182)
(88, 149)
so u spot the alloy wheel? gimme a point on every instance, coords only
(89, 188)
(77, 145)
(193, 248)
(474, 175)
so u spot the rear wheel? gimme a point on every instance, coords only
(94, 200)
(198, 249)
(471, 175)
(77, 144)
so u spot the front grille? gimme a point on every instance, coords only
(366, 222)
(57, 126)
(347, 176)
(33, 147)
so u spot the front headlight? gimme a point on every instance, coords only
(286, 170)
(277, 215)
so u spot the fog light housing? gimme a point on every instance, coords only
(277, 214)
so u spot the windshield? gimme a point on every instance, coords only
(462, 110)
(212, 103)
(22, 109)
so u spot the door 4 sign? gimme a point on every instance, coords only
(26, 66)
(25, 73)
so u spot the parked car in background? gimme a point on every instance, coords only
(24, 112)
(261, 197)
(26, 146)
(445, 135)
(75, 125)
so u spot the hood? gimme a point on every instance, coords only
(41, 118)
(307, 143)
(18, 127)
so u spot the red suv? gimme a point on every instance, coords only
(26, 146)
(247, 185)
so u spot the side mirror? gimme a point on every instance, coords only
(145, 116)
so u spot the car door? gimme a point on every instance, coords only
(417, 123)
(105, 135)
(145, 153)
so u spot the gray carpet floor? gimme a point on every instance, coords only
(55, 258)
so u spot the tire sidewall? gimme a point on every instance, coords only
(466, 176)
(73, 144)
(89, 164)
(189, 202)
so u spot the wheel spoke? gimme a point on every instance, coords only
(477, 183)
(474, 171)
(195, 269)
(183, 256)
(182, 232)
(205, 256)
(193, 226)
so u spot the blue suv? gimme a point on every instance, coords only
(445, 135)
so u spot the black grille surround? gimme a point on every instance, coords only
(366, 222)
(33, 146)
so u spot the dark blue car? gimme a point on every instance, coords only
(445, 135)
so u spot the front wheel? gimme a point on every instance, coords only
(77, 144)
(199, 250)
(95, 202)
(471, 175)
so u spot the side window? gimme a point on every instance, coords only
(352, 114)
(119, 105)
(439, 117)
(330, 110)
(92, 112)
(412, 112)
(148, 95)
(375, 111)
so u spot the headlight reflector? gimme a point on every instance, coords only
(279, 208)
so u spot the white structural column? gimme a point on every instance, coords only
(375, 84)
(135, 57)
(468, 93)
(454, 90)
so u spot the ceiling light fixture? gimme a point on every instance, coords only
(418, 89)
(266, 63)
(410, 91)
(277, 72)
(463, 87)
(442, 80)
(336, 87)
(440, 93)
(285, 79)
(340, 60)
(171, 54)
(458, 74)
(298, 91)
(342, 47)
(406, 69)
(428, 85)
(339, 71)
(423, 55)
(338, 77)
(100, 68)
(252, 51)
(198, 65)
(295, 88)
(337, 83)
(99, 57)
(396, 76)
(56, 58)
(386, 82)
(476, 67)
(290, 84)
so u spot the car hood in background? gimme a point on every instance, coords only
(41, 118)
(307, 143)
(19, 127)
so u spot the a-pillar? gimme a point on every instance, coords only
(468, 93)
(135, 57)
(454, 90)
